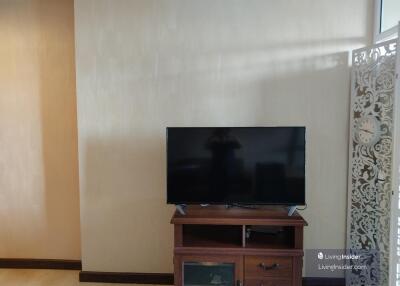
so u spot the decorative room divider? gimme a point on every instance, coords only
(371, 161)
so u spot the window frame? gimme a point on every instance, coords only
(380, 36)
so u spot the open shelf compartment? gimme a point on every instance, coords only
(212, 235)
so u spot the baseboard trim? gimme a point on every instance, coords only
(127, 277)
(168, 278)
(321, 281)
(26, 263)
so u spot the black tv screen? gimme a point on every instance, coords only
(236, 165)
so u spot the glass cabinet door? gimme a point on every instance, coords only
(208, 274)
(209, 270)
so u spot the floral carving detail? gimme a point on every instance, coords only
(369, 209)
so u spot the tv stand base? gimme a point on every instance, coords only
(181, 209)
(291, 210)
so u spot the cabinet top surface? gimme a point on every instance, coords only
(238, 216)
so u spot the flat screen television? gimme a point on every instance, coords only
(236, 165)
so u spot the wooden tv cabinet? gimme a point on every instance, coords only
(218, 246)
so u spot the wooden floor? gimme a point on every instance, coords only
(28, 277)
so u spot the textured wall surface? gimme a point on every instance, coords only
(39, 196)
(143, 65)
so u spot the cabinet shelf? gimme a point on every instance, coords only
(228, 236)
(212, 236)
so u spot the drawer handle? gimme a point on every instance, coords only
(270, 267)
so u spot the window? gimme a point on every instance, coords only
(387, 16)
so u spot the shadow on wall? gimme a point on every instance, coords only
(125, 219)
(125, 216)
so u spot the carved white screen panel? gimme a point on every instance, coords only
(370, 166)
(394, 267)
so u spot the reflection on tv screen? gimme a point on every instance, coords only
(249, 165)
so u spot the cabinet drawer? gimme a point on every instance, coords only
(274, 282)
(268, 266)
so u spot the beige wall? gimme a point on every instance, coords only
(146, 64)
(39, 197)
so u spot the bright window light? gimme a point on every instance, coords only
(390, 14)
(387, 17)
